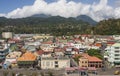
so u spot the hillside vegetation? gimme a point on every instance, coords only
(58, 26)
(108, 27)
(52, 25)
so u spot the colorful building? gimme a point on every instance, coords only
(113, 52)
(89, 61)
(28, 59)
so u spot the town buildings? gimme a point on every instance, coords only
(113, 54)
(90, 61)
(27, 60)
(49, 52)
(59, 62)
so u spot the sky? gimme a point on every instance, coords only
(96, 9)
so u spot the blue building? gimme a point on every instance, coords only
(3, 53)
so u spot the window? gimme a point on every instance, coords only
(117, 54)
(117, 58)
(116, 51)
(56, 66)
(116, 47)
(47, 64)
(56, 62)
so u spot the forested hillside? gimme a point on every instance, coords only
(57, 25)
(108, 27)
(53, 25)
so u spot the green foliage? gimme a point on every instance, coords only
(108, 27)
(58, 26)
(94, 52)
(14, 47)
(53, 25)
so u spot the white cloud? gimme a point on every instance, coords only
(2, 15)
(67, 9)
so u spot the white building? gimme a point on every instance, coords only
(114, 54)
(116, 37)
(55, 63)
(78, 45)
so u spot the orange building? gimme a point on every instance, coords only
(28, 59)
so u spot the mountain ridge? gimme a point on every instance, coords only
(84, 18)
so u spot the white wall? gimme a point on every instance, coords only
(50, 64)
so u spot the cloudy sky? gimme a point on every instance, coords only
(96, 9)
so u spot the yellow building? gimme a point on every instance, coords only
(83, 62)
(89, 61)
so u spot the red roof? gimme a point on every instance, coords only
(90, 58)
(98, 44)
(16, 40)
(94, 59)
(58, 49)
(40, 52)
(48, 42)
(111, 43)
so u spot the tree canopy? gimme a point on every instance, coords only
(94, 52)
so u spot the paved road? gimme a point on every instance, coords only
(107, 71)
(30, 72)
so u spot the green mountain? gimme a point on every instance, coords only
(54, 25)
(86, 19)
